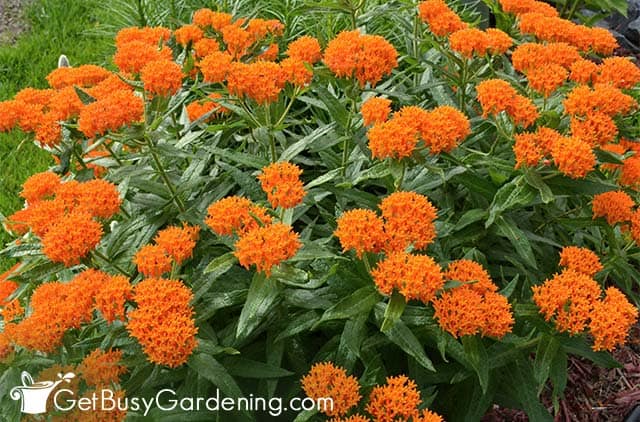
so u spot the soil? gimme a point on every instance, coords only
(12, 23)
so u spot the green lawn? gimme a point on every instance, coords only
(56, 27)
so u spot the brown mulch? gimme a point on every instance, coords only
(12, 23)
(593, 394)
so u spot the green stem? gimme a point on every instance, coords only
(95, 253)
(403, 169)
(165, 177)
(348, 134)
(574, 7)
(463, 85)
(112, 153)
(365, 260)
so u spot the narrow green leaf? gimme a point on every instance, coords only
(220, 265)
(394, 311)
(404, 338)
(478, 357)
(534, 180)
(507, 228)
(297, 147)
(546, 352)
(247, 368)
(263, 294)
(209, 368)
(359, 302)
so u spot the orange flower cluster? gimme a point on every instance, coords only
(205, 46)
(606, 99)
(161, 77)
(216, 66)
(531, 56)
(236, 214)
(112, 296)
(282, 184)
(208, 105)
(135, 47)
(306, 49)
(408, 220)
(520, 7)
(441, 19)
(595, 129)
(413, 276)
(615, 206)
(573, 157)
(172, 244)
(267, 246)
(555, 29)
(163, 322)
(441, 129)
(496, 95)
(367, 58)
(102, 368)
(45, 326)
(584, 71)
(620, 72)
(40, 186)
(398, 399)
(7, 287)
(581, 260)
(71, 238)
(119, 109)
(207, 18)
(573, 299)
(83, 76)
(547, 79)
(261, 81)
(375, 110)
(188, 34)
(474, 306)
(470, 41)
(326, 380)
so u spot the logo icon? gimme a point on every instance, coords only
(34, 395)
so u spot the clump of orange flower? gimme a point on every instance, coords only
(395, 138)
(102, 368)
(205, 46)
(573, 157)
(178, 242)
(367, 58)
(611, 320)
(547, 79)
(620, 72)
(152, 261)
(469, 41)
(519, 7)
(236, 214)
(215, 66)
(582, 101)
(531, 56)
(188, 34)
(7, 286)
(261, 81)
(306, 49)
(595, 129)
(132, 56)
(630, 174)
(584, 71)
(398, 399)
(581, 260)
(472, 274)
(209, 18)
(163, 322)
(441, 19)
(361, 230)
(71, 238)
(444, 128)
(375, 110)
(148, 35)
(409, 220)
(496, 95)
(615, 206)
(327, 380)
(526, 150)
(499, 41)
(112, 296)
(40, 186)
(267, 246)
(208, 105)
(282, 184)
(119, 109)
(161, 77)
(413, 276)
(296, 72)
(82, 76)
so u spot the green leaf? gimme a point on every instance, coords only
(534, 180)
(327, 177)
(476, 184)
(578, 346)
(262, 296)
(478, 358)
(359, 302)
(546, 352)
(84, 96)
(519, 383)
(297, 147)
(470, 217)
(298, 324)
(247, 368)
(507, 228)
(394, 311)
(509, 195)
(221, 265)
(336, 108)
(209, 368)
(608, 157)
(311, 251)
(403, 337)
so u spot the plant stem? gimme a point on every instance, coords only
(95, 253)
(574, 7)
(348, 134)
(165, 177)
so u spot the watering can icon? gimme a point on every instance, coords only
(34, 395)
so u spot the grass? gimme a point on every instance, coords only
(56, 27)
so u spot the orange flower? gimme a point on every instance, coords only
(441, 19)
(327, 380)
(620, 72)
(65, 104)
(395, 138)
(270, 54)
(296, 72)
(215, 20)
(11, 310)
(39, 97)
(102, 368)
(498, 316)
(199, 108)
(306, 49)
(352, 418)
(523, 111)
(573, 157)
(111, 297)
(630, 175)
(40, 186)
(595, 129)
(611, 320)
(472, 274)
(6, 348)
(520, 7)
(163, 322)
(547, 79)
(261, 81)
(108, 86)
(110, 113)
(615, 206)
(469, 41)
(71, 238)
(99, 198)
(237, 40)
(531, 56)
(162, 77)
(375, 110)
(205, 46)
(444, 128)
(82, 76)
(495, 95)
(235, 214)
(281, 181)
(581, 260)
(413, 276)
(38, 217)
(635, 226)
(178, 242)
(526, 150)
(9, 115)
(606, 99)
(365, 57)
(152, 261)
(360, 230)
(427, 416)
(132, 56)
(409, 219)
(569, 296)
(267, 246)
(398, 399)
(215, 66)
(499, 41)
(584, 71)
(152, 36)
(188, 34)
(7, 287)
